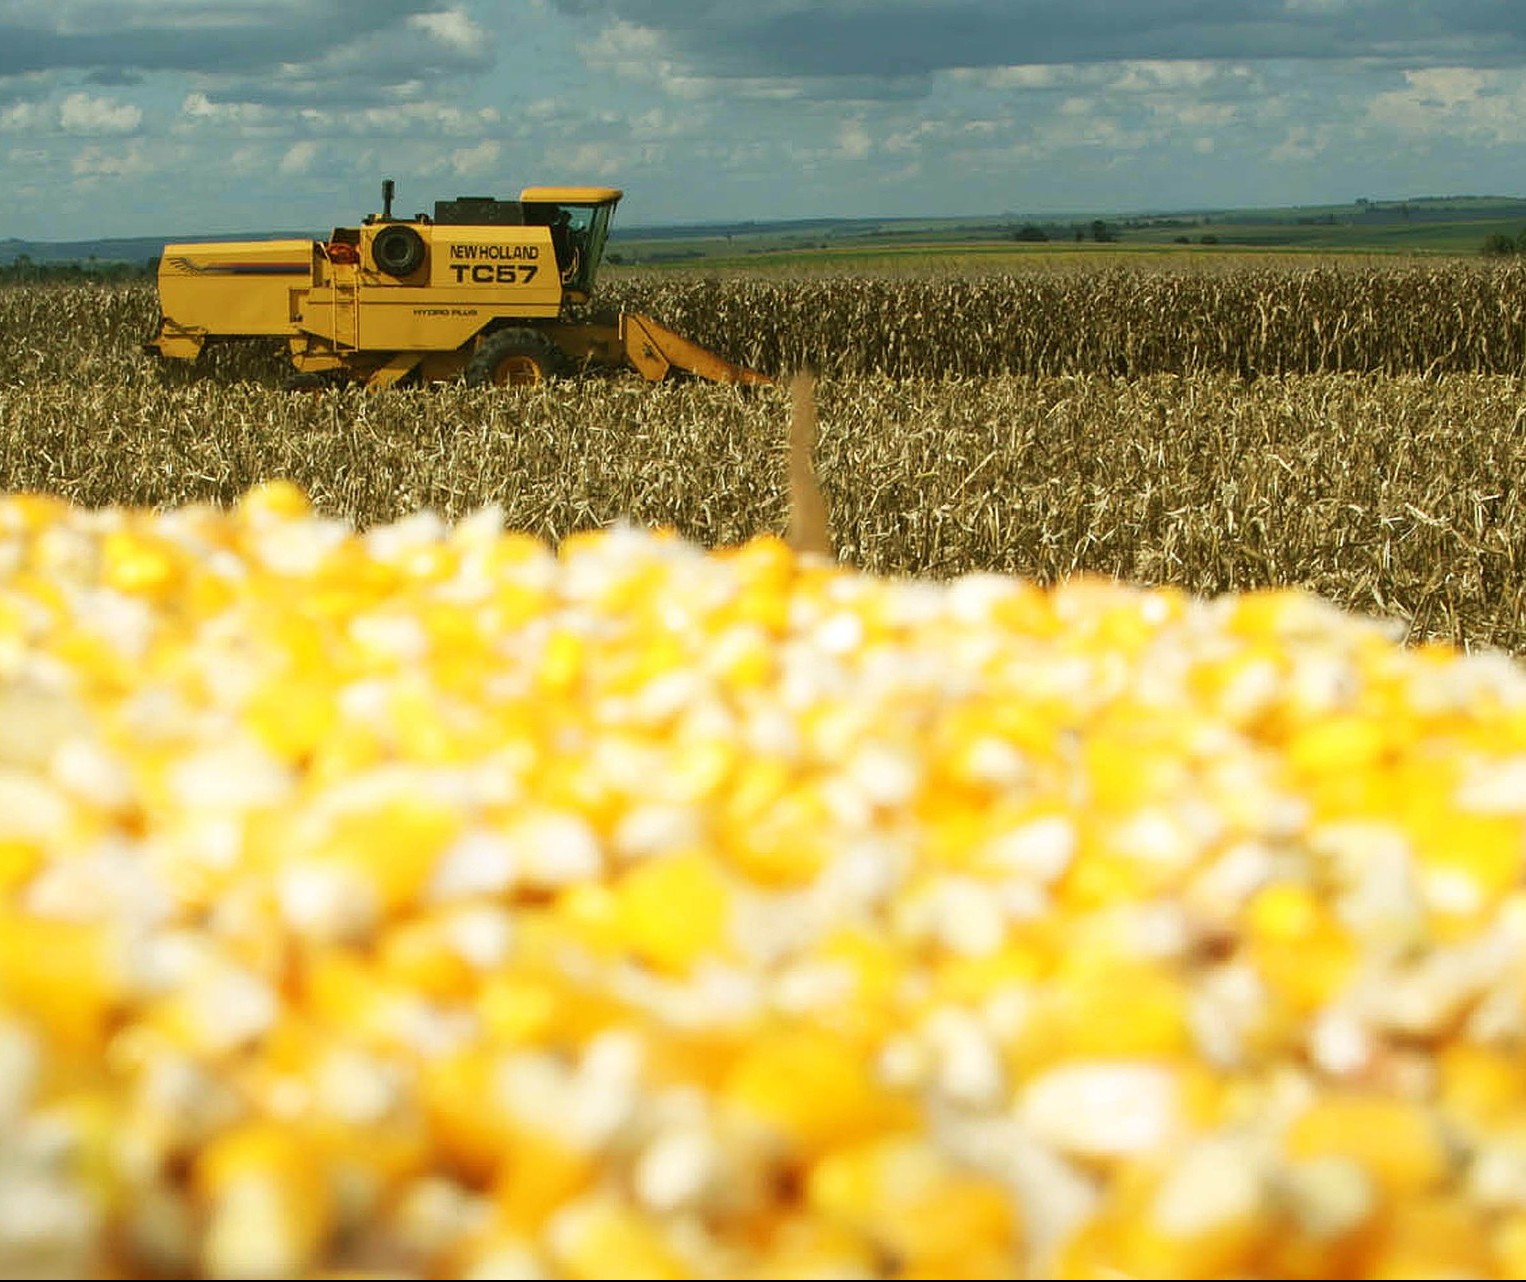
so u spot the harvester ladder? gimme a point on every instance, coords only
(344, 300)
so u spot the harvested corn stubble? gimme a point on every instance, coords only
(427, 902)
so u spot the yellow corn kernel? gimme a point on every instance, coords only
(810, 1089)
(138, 563)
(1469, 866)
(1100, 878)
(674, 910)
(292, 717)
(276, 498)
(591, 912)
(417, 957)
(396, 845)
(1433, 1237)
(905, 1196)
(1127, 1245)
(470, 1136)
(1342, 745)
(561, 662)
(1299, 950)
(270, 1207)
(600, 1238)
(1284, 913)
(743, 658)
(869, 1006)
(800, 1247)
(539, 1175)
(519, 1009)
(1397, 1142)
(1508, 1246)
(772, 825)
(697, 768)
(19, 859)
(1480, 1087)
(66, 977)
(1129, 1011)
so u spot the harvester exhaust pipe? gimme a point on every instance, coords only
(389, 189)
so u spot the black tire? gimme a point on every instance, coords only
(514, 357)
(398, 250)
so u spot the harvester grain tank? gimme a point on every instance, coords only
(484, 289)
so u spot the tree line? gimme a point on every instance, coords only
(1502, 245)
(23, 269)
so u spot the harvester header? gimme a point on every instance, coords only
(484, 289)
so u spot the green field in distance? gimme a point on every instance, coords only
(1423, 226)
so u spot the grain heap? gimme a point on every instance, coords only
(427, 901)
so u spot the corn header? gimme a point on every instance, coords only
(492, 291)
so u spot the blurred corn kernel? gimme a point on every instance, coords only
(425, 902)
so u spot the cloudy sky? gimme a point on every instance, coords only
(147, 117)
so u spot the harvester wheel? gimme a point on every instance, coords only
(514, 358)
(308, 382)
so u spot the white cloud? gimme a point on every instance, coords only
(546, 109)
(1301, 143)
(299, 158)
(1455, 102)
(452, 28)
(471, 161)
(853, 141)
(423, 117)
(1177, 75)
(246, 117)
(1041, 76)
(198, 106)
(911, 140)
(598, 160)
(79, 113)
(1449, 87)
(1134, 76)
(744, 108)
(1200, 115)
(412, 118)
(245, 161)
(109, 162)
(658, 123)
(625, 47)
(23, 117)
(896, 38)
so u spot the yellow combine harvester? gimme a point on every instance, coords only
(481, 290)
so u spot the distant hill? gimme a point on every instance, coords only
(1448, 224)
(136, 250)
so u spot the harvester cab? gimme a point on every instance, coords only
(484, 289)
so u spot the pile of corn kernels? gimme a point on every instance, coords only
(427, 902)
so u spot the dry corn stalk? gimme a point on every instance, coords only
(809, 529)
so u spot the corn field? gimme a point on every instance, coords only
(423, 902)
(1254, 321)
(967, 424)
(1251, 322)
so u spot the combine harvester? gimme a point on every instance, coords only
(482, 290)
